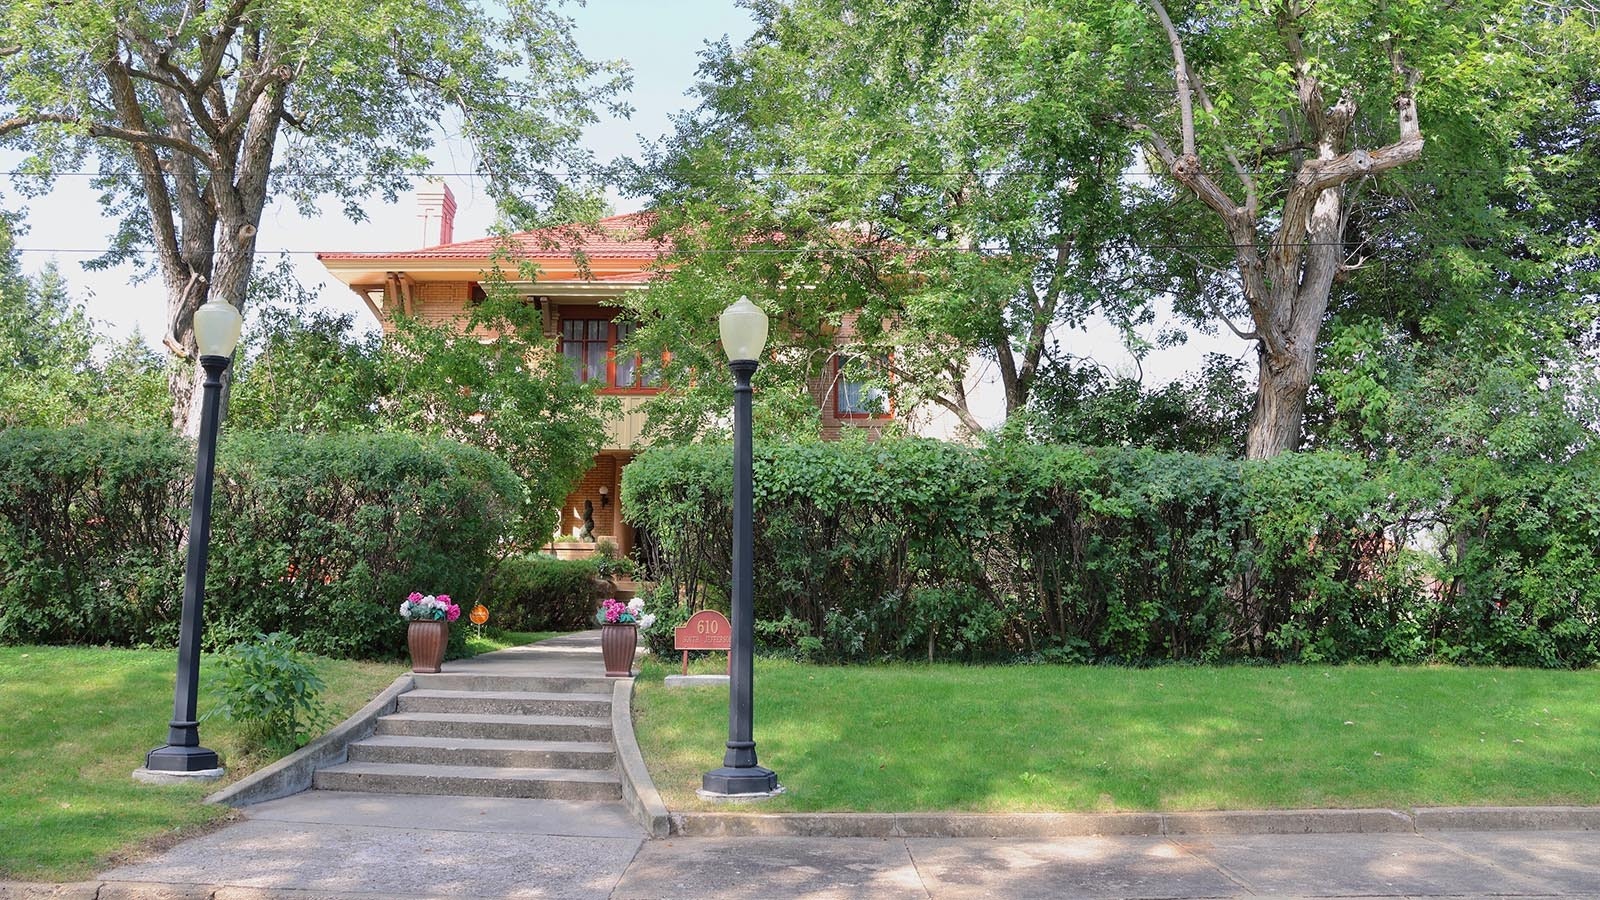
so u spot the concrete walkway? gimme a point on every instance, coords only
(344, 846)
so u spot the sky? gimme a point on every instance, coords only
(660, 40)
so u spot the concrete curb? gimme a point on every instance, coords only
(141, 890)
(292, 774)
(639, 792)
(1053, 825)
(1508, 818)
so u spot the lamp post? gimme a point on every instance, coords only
(216, 330)
(744, 333)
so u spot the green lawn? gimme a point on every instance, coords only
(1060, 738)
(78, 721)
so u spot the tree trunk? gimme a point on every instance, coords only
(1281, 388)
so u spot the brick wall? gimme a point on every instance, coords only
(603, 474)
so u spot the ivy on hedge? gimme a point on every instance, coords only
(319, 537)
(913, 548)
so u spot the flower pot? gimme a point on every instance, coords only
(426, 641)
(618, 643)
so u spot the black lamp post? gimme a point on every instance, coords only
(216, 330)
(744, 333)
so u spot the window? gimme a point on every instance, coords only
(627, 363)
(853, 397)
(590, 346)
(585, 342)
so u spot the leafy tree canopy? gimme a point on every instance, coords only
(308, 370)
(56, 368)
(197, 113)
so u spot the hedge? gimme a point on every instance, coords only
(542, 593)
(315, 536)
(921, 549)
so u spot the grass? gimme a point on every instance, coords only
(79, 720)
(1058, 738)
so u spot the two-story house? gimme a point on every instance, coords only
(580, 310)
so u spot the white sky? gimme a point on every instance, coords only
(660, 40)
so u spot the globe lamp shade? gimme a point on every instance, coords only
(216, 328)
(744, 330)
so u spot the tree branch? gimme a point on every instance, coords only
(959, 409)
(1251, 200)
(102, 130)
(1180, 75)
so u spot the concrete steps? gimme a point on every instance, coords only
(471, 781)
(482, 735)
(508, 728)
(394, 748)
(520, 703)
(554, 684)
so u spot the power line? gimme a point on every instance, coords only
(775, 173)
(751, 251)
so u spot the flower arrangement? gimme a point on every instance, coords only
(419, 608)
(615, 612)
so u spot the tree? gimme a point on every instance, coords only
(1477, 313)
(1282, 117)
(924, 178)
(309, 371)
(56, 368)
(197, 113)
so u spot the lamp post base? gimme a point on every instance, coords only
(181, 760)
(739, 782)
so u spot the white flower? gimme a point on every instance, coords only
(405, 609)
(647, 621)
(636, 606)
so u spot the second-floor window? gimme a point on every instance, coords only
(590, 346)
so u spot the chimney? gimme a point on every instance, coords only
(436, 207)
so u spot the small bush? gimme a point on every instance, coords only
(539, 593)
(270, 688)
(670, 614)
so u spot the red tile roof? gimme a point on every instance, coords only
(617, 237)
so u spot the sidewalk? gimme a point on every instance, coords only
(333, 845)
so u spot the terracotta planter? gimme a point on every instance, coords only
(617, 646)
(426, 641)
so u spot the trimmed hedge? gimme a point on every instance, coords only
(542, 593)
(920, 549)
(315, 536)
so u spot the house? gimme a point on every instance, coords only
(579, 307)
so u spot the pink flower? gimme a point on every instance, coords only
(444, 598)
(453, 614)
(414, 597)
(612, 614)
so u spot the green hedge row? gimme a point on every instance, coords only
(542, 593)
(320, 537)
(915, 548)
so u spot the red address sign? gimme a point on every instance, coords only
(705, 630)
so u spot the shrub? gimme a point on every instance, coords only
(270, 688)
(319, 537)
(670, 614)
(323, 536)
(90, 528)
(911, 548)
(536, 593)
